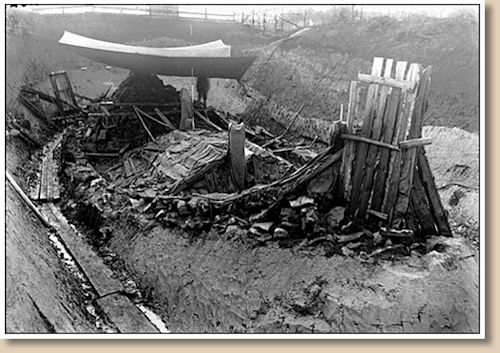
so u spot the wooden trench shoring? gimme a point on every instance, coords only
(386, 175)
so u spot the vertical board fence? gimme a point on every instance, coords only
(386, 172)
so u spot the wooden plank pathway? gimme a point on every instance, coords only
(47, 187)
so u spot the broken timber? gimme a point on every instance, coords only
(385, 172)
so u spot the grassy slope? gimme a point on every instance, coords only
(319, 66)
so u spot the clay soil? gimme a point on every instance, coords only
(214, 284)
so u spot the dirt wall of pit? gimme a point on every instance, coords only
(213, 284)
(41, 296)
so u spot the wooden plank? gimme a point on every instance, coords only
(387, 81)
(415, 100)
(102, 154)
(99, 275)
(415, 142)
(138, 114)
(44, 181)
(56, 187)
(153, 119)
(369, 141)
(428, 182)
(125, 315)
(411, 221)
(206, 120)
(415, 130)
(348, 155)
(421, 207)
(50, 177)
(394, 165)
(127, 167)
(385, 154)
(373, 149)
(164, 119)
(362, 149)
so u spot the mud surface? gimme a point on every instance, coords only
(216, 285)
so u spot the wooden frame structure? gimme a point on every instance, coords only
(386, 173)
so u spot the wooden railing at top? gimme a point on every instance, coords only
(264, 21)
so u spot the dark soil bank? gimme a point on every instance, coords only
(318, 66)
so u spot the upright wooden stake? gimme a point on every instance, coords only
(362, 148)
(373, 149)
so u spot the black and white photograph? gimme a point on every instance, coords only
(250, 171)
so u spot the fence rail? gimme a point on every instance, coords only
(264, 21)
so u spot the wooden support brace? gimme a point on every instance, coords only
(152, 119)
(164, 119)
(197, 113)
(387, 81)
(369, 141)
(144, 124)
(415, 142)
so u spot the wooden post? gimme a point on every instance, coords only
(264, 22)
(349, 148)
(373, 149)
(362, 148)
(391, 189)
(437, 208)
(393, 107)
(236, 152)
(413, 130)
(253, 19)
(421, 207)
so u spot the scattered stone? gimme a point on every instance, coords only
(286, 214)
(389, 252)
(254, 231)
(348, 228)
(318, 240)
(234, 232)
(354, 246)
(346, 251)
(114, 215)
(335, 216)
(265, 238)
(263, 226)
(182, 208)
(160, 213)
(280, 233)
(377, 238)
(350, 237)
(301, 202)
(396, 233)
(193, 203)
